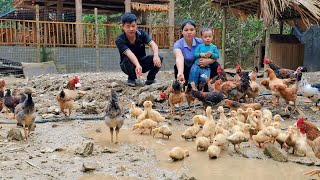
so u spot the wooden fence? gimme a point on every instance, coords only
(63, 34)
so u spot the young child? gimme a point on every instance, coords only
(198, 74)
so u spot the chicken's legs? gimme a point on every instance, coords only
(313, 172)
(111, 133)
(117, 132)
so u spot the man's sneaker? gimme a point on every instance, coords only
(149, 82)
(131, 83)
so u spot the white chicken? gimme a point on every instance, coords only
(310, 91)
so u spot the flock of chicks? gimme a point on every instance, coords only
(216, 134)
(248, 122)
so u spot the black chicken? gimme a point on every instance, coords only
(283, 73)
(176, 86)
(114, 116)
(11, 101)
(208, 98)
(26, 116)
(240, 89)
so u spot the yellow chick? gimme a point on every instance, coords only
(134, 111)
(145, 124)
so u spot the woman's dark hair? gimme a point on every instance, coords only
(185, 22)
(204, 29)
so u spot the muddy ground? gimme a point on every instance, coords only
(54, 150)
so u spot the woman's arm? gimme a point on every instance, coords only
(179, 63)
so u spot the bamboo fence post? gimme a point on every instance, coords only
(223, 43)
(38, 34)
(267, 48)
(97, 40)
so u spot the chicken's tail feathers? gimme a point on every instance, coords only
(62, 94)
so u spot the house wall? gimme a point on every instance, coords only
(311, 41)
(72, 59)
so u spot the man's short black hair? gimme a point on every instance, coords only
(128, 17)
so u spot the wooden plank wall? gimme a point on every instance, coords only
(287, 55)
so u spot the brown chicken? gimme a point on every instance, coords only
(312, 133)
(190, 97)
(238, 75)
(216, 86)
(176, 97)
(273, 80)
(288, 94)
(254, 88)
(65, 100)
(67, 96)
(234, 105)
(313, 139)
(2, 85)
(235, 90)
(11, 101)
(276, 95)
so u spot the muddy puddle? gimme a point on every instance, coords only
(229, 166)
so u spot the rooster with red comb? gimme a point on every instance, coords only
(283, 73)
(221, 75)
(2, 85)
(313, 139)
(73, 83)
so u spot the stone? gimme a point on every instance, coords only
(188, 123)
(53, 110)
(145, 96)
(302, 160)
(275, 153)
(84, 152)
(55, 125)
(250, 153)
(89, 166)
(48, 116)
(185, 177)
(107, 150)
(178, 117)
(15, 134)
(46, 150)
(90, 108)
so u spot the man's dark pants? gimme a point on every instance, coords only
(147, 65)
